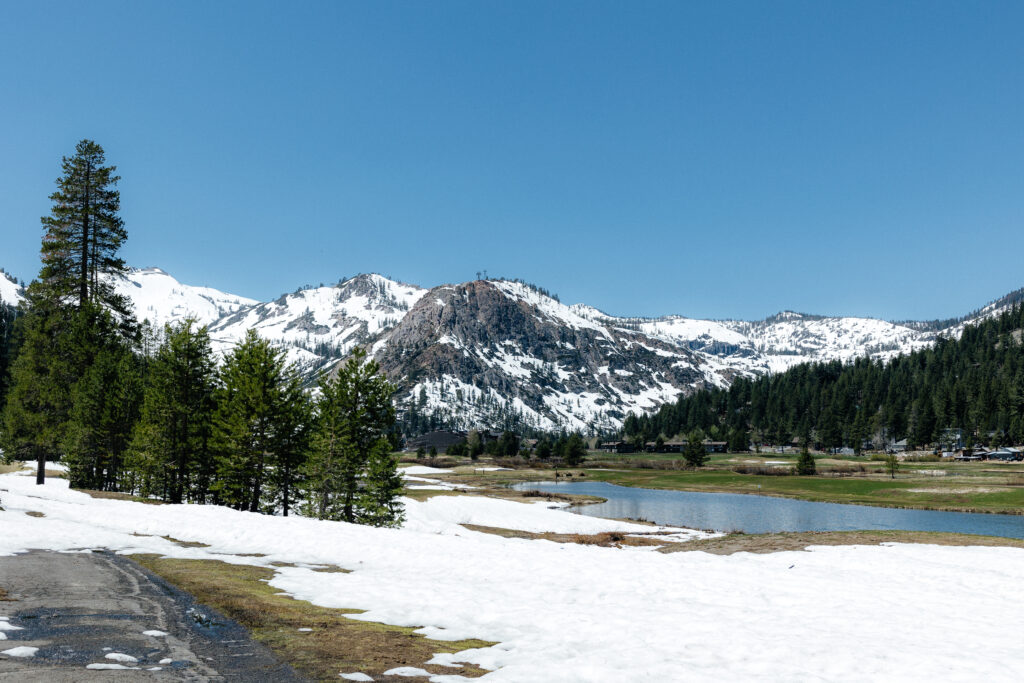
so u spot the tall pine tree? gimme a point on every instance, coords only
(69, 307)
(83, 232)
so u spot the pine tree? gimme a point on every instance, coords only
(170, 454)
(379, 501)
(66, 327)
(294, 425)
(859, 431)
(351, 475)
(739, 441)
(543, 451)
(695, 453)
(42, 378)
(255, 424)
(105, 407)
(83, 232)
(805, 464)
(574, 450)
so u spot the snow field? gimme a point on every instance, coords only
(564, 612)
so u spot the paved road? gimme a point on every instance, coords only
(77, 608)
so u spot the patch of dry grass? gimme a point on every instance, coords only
(533, 495)
(607, 539)
(186, 544)
(335, 644)
(422, 495)
(773, 543)
(115, 495)
(3, 596)
(327, 569)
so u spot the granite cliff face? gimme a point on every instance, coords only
(503, 354)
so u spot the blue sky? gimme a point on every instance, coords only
(725, 159)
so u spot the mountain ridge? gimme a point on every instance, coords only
(505, 353)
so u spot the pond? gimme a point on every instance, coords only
(764, 514)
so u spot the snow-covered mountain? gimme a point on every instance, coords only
(501, 353)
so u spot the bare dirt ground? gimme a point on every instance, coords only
(77, 608)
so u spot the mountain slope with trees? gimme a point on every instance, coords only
(479, 373)
(972, 385)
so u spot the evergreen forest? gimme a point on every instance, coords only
(968, 390)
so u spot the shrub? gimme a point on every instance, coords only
(806, 465)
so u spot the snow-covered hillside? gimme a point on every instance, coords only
(320, 325)
(787, 339)
(499, 353)
(159, 298)
(10, 291)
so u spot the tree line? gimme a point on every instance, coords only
(972, 387)
(152, 413)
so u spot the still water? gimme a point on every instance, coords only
(764, 514)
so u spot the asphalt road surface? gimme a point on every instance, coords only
(93, 607)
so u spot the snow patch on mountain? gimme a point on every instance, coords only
(10, 291)
(161, 299)
(548, 307)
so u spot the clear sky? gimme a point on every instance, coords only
(713, 159)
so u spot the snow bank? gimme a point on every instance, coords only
(423, 469)
(563, 612)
